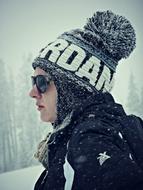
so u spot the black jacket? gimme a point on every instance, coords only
(101, 149)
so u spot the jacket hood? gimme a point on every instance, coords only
(100, 105)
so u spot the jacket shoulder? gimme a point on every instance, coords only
(96, 125)
(95, 148)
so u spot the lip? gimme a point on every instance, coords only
(40, 107)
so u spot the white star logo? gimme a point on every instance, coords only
(103, 157)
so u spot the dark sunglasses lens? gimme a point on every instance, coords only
(41, 83)
(33, 80)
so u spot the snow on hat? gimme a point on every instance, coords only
(88, 57)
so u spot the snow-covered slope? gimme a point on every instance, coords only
(23, 179)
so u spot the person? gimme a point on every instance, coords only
(94, 144)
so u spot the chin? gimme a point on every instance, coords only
(46, 119)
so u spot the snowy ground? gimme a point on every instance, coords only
(23, 179)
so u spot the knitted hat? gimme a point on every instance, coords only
(85, 59)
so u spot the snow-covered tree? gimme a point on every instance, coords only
(8, 143)
(141, 104)
(133, 101)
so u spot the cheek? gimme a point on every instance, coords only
(50, 102)
(49, 113)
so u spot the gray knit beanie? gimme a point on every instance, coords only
(82, 62)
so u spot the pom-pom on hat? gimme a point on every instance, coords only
(89, 56)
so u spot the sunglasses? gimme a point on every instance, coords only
(42, 82)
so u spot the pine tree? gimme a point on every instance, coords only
(8, 142)
(133, 102)
(141, 104)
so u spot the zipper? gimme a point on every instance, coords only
(44, 178)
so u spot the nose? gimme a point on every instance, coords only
(34, 93)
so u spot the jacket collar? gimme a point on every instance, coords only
(101, 105)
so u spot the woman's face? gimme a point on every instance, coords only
(46, 102)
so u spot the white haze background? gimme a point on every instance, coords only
(27, 26)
